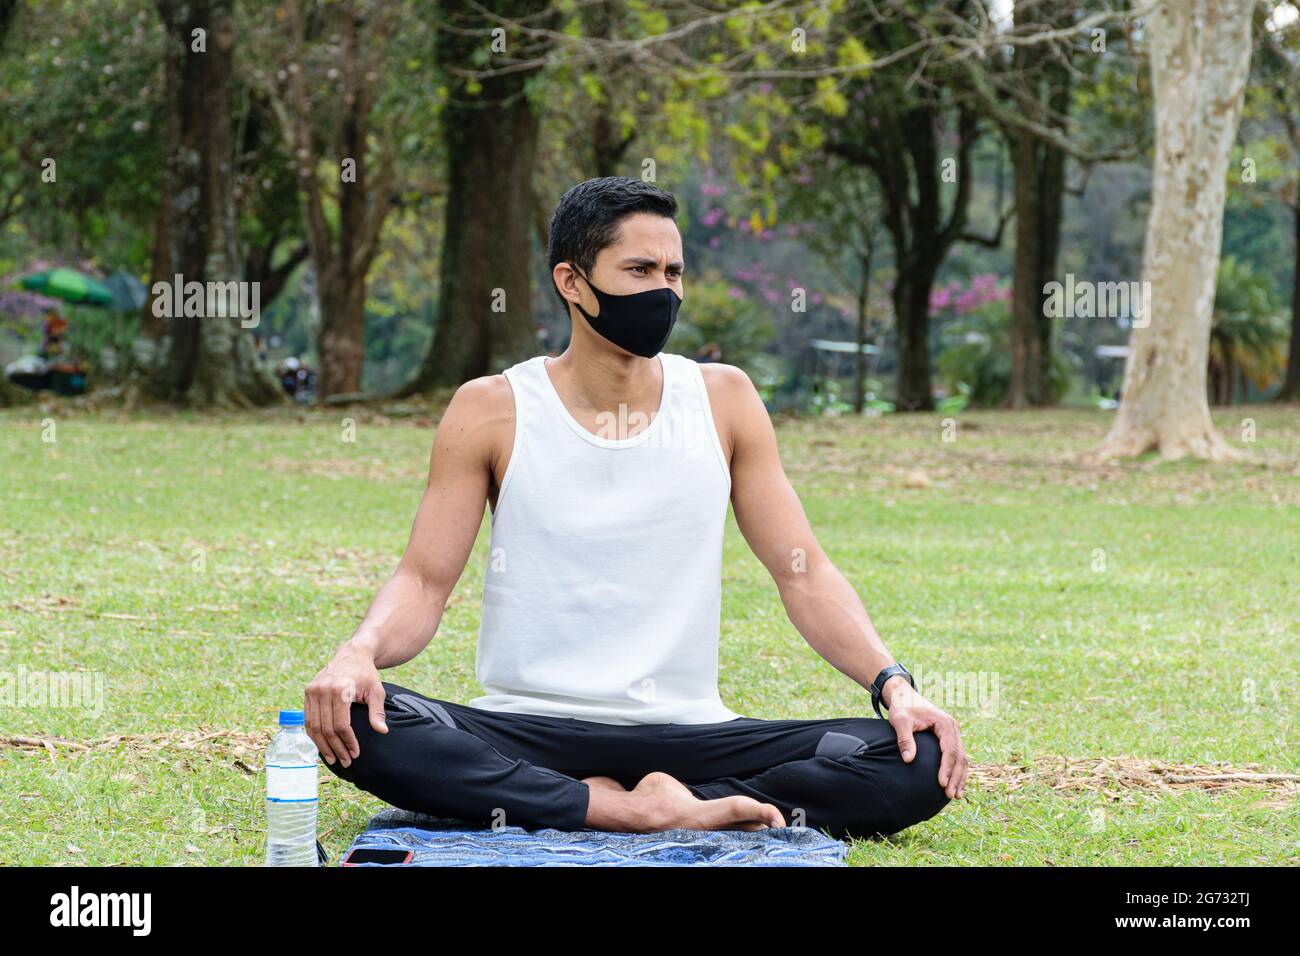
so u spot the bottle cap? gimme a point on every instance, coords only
(291, 718)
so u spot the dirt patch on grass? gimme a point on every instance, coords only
(243, 749)
(1113, 775)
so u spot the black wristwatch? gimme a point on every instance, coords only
(878, 685)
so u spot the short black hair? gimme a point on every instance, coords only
(586, 219)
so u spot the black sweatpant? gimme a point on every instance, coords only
(843, 775)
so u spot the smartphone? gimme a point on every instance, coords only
(377, 855)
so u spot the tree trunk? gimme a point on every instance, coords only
(1026, 275)
(485, 294)
(161, 267)
(895, 134)
(1039, 172)
(1200, 58)
(1038, 169)
(149, 354)
(341, 256)
(912, 323)
(860, 358)
(1052, 215)
(206, 360)
(8, 8)
(1291, 387)
(340, 340)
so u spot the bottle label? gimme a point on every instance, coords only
(291, 783)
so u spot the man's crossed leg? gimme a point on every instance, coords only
(842, 775)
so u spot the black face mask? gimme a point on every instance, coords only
(639, 322)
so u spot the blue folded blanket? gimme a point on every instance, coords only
(438, 841)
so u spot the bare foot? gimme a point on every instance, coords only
(661, 802)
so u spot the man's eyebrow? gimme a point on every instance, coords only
(647, 261)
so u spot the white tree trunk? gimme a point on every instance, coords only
(1200, 58)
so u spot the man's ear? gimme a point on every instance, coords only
(565, 278)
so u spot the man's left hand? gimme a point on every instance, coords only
(910, 712)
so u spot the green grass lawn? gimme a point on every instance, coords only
(202, 569)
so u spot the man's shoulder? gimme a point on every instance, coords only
(732, 397)
(480, 413)
(485, 394)
(725, 381)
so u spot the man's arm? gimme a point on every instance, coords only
(406, 611)
(821, 603)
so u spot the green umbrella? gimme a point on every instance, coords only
(68, 285)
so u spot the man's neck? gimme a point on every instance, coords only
(597, 379)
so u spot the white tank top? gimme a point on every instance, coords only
(603, 589)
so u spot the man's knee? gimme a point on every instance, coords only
(414, 724)
(368, 742)
(910, 790)
(916, 792)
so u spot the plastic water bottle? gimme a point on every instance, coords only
(291, 795)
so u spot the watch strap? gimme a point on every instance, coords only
(878, 685)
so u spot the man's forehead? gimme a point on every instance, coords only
(632, 250)
(644, 236)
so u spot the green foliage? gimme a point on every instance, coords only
(831, 396)
(954, 403)
(81, 86)
(976, 360)
(1249, 329)
(711, 314)
(828, 399)
(103, 339)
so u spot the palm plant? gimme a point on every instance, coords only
(1248, 338)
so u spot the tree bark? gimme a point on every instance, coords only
(206, 360)
(860, 359)
(1039, 172)
(1200, 58)
(340, 341)
(1051, 210)
(1291, 386)
(911, 297)
(1038, 169)
(1027, 268)
(153, 328)
(342, 262)
(485, 294)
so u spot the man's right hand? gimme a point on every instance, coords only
(350, 676)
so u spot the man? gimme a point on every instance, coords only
(608, 470)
